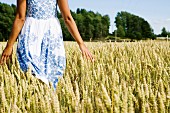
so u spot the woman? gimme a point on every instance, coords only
(40, 41)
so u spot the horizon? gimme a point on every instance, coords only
(155, 12)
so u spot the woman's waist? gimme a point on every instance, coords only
(52, 21)
(35, 19)
(43, 17)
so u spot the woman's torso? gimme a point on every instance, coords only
(41, 9)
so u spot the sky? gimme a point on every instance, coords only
(156, 12)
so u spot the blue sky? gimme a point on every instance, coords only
(154, 11)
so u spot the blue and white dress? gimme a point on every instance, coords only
(40, 42)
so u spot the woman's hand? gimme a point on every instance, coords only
(85, 52)
(17, 26)
(6, 54)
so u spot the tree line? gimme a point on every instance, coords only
(164, 33)
(132, 26)
(91, 25)
(135, 27)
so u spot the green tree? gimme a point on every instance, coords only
(120, 31)
(1, 37)
(89, 27)
(105, 23)
(134, 26)
(7, 14)
(78, 11)
(164, 32)
(79, 21)
(98, 28)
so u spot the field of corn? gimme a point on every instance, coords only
(127, 77)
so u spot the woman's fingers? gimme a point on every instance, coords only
(7, 57)
(7, 52)
(3, 59)
(91, 57)
(88, 55)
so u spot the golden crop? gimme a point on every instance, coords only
(129, 77)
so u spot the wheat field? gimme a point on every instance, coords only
(127, 77)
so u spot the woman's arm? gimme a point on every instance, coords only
(17, 26)
(18, 22)
(71, 25)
